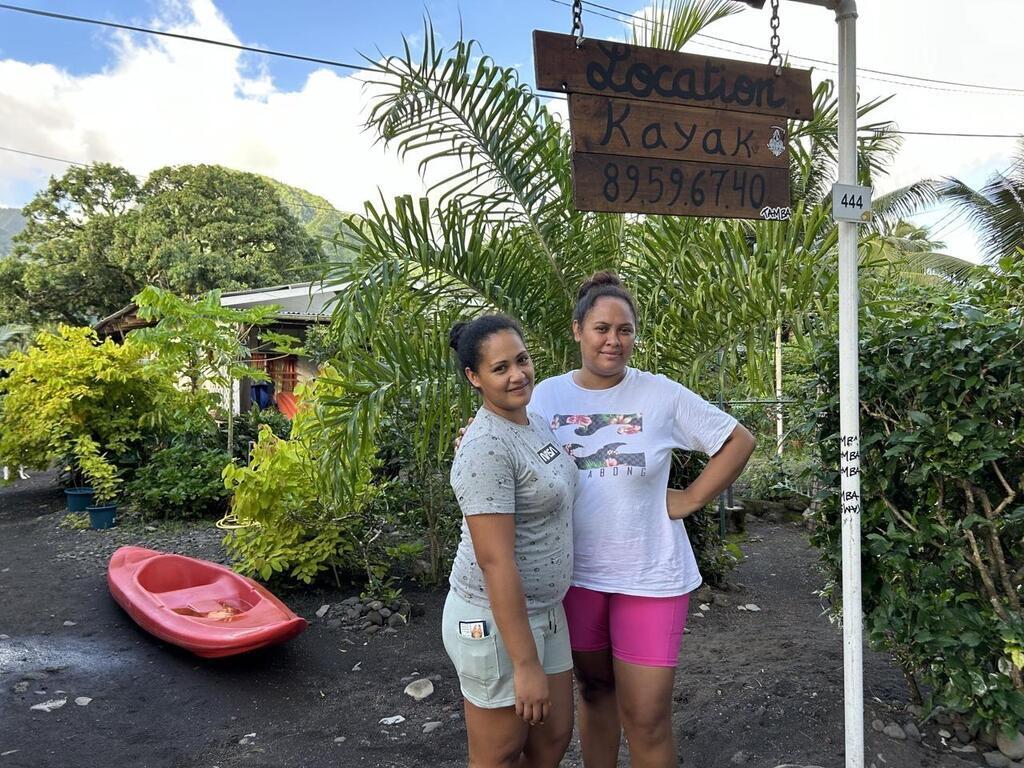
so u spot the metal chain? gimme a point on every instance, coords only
(776, 58)
(577, 22)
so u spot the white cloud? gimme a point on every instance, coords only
(165, 101)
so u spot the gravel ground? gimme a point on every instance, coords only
(757, 688)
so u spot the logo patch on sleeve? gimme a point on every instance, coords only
(548, 453)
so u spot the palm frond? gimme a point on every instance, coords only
(671, 24)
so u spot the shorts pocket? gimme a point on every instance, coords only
(478, 658)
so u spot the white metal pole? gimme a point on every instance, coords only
(849, 394)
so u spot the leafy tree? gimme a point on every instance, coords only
(204, 227)
(95, 237)
(206, 345)
(64, 267)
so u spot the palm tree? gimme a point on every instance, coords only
(504, 236)
(996, 210)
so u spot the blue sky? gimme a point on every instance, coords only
(89, 94)
(333, 30)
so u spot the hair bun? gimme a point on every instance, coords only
(455, 334)
(597, 279)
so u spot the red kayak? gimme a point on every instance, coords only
(201, 606)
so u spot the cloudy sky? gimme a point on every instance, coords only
(88, 94)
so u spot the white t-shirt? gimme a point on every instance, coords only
(622, 439)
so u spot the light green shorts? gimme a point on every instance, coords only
(483, 664)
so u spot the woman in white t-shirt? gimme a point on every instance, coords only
(633, 565)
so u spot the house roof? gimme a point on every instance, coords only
(299, 302)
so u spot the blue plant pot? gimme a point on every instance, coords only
(79, 499)
(102, 516)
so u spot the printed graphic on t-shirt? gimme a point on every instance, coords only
(614, 454)
(548, 453)
(589, 424)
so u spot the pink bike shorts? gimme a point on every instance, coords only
(639, 630)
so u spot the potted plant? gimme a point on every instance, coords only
(103, 477)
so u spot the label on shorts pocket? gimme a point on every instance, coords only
(478, 658)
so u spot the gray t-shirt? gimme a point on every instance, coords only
(507, 468)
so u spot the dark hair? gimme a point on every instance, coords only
(599, 285)
(467, 338)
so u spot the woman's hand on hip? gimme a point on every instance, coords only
(533, 700)
(681, 504)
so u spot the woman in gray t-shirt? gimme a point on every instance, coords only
(503, 626)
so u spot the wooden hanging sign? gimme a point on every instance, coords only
(656, 131)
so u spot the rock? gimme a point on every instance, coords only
(961, 733)
(375, 618)
(384, 612)
(349, 601)
(740, 758)
(339, 739)
(83, 701)
(945, 734)
(704, 595)
(248, 740)
(432, 726)
(358, 666)
(987, 738)
(751, 607)
(393, 720)
(21, 687)
(1012, 747)
(49, 706)
(70, 624)
(912, 731)
(964, 748)
(704, 607)
(371, 630)
(404, 608)
(322, 610)
(5, 637)
(375, 605)
(697, 615)
(419, 689)
(996, 760)
(396, 620)
(943, 718)
(877, 725)
(893, 731)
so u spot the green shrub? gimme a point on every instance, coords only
(296, 522)
(181, 481)
(91, 406)
(942, 452)
(247, 428)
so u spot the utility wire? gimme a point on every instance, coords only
(333, 63)
(191, 38)
(651, 24)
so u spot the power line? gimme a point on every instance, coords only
(333, 63)
(652, 24)
(45, 157)
(190, 38)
